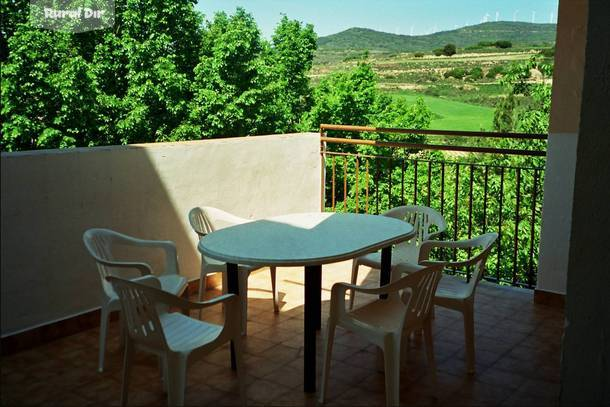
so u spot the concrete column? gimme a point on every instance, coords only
(585, 367)
(561, 153)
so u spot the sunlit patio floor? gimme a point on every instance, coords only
(517, 350)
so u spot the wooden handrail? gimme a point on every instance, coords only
(460, 133)
(438, 147)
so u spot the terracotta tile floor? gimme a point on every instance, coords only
(517, 346)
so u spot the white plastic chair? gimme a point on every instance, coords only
(385, 322)
(456, 294)
(100, 244)
(427, 223)
(172, 336)
(207, 220)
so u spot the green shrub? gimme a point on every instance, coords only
(418, 54)
(457, 73)
(438, 52)
(475, 73)
(449, 50)
(503, 44)
(486, 44)
(495, 71)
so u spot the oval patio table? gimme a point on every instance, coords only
(309, 240)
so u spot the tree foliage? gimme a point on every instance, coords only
(449, 50)
(527, 106)
(159, 74)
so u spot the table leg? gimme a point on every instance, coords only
(313, 308)
(386, 268)
(233, 288)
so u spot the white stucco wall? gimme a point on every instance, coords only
(562, 145)
(557, 212)
(49, 198)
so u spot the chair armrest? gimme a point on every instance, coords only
(171, 253)
(343, 287)
(427, 246)
(172, 300)
(143, 268)
(435, 235)
(187, 305)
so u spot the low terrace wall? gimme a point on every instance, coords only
(49, 198)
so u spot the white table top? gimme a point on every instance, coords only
(304, 239)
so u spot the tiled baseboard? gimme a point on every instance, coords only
(549, 298)
(60, 329)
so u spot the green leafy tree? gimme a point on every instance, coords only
(236, 90)
(36, 103)
(14, 13)
(294, 47)
(348, 97)
(528, 104)
(144, 20)
(449, 50)
(503, 44)
(504, 114)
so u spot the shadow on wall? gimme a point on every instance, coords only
(49, 198)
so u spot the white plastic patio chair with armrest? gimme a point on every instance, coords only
(427, 223)
(101, 244)
(386, 322)
(455, 293)
(172, 336)
(207, 220)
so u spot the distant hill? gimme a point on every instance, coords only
(518, 33)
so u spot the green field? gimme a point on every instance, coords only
(452, 115)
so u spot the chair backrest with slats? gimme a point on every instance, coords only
(426, 221)
(140, 310)
(419, 293)
(207, 219)
(98, 243)
(200, 222)
(484, 243)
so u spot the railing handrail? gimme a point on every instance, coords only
(507, 201)
(438, 147)
(460, 133)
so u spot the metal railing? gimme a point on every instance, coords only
(478, 188)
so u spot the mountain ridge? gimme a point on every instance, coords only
(519, 33)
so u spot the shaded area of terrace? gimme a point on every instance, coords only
(517, 357)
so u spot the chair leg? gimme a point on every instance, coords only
(163, 373)
(430, 353)
(354, 279)
(185, 295)
(239, 367)
(330, 338)
(468, 312)
(276, 305)
(122, 330)
(176, 378)
(243, 294)
(103, 333)
(202, 287)
(127, 359)
(392, 370)
(429, 342)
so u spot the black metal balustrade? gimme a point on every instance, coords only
(478, 188)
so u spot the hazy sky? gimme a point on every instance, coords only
(396, 16)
